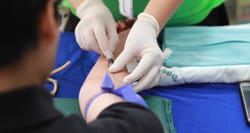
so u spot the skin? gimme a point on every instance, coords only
(75, 3)
(92, 84)
(162, 10)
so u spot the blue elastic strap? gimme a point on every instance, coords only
(126, 91)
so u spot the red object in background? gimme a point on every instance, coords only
(124, 24)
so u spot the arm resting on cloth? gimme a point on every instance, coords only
(109, 112)
(91, 86)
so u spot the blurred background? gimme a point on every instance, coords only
(238, 11)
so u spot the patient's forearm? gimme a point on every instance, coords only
(91, 86)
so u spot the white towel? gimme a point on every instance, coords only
(212, 74)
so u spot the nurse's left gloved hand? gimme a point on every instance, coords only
(142, 43)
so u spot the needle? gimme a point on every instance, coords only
(110, 61)
(109, 57)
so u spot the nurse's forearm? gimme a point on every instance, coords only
(162, 10)
(75, 3)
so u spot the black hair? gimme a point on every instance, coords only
(20, 20)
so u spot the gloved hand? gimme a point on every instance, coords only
(142, 43)
(97, 28)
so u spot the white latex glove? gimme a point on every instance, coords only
(141, 43)
(97, 28)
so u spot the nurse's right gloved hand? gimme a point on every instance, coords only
(141, 43)
(97, 29)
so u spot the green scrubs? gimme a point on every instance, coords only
(190, 12)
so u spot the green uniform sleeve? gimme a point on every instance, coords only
(190, 12)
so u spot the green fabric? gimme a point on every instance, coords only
(66, 4)
(193, 12)
(160, 106)
(67, 105)
(190, 12)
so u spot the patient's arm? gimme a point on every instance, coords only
(91, 86)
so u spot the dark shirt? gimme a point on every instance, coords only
(31, 110)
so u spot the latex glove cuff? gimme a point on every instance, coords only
(145, 17)
(81, 10)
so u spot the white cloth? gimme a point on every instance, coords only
(212, 74)
(126, 8)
